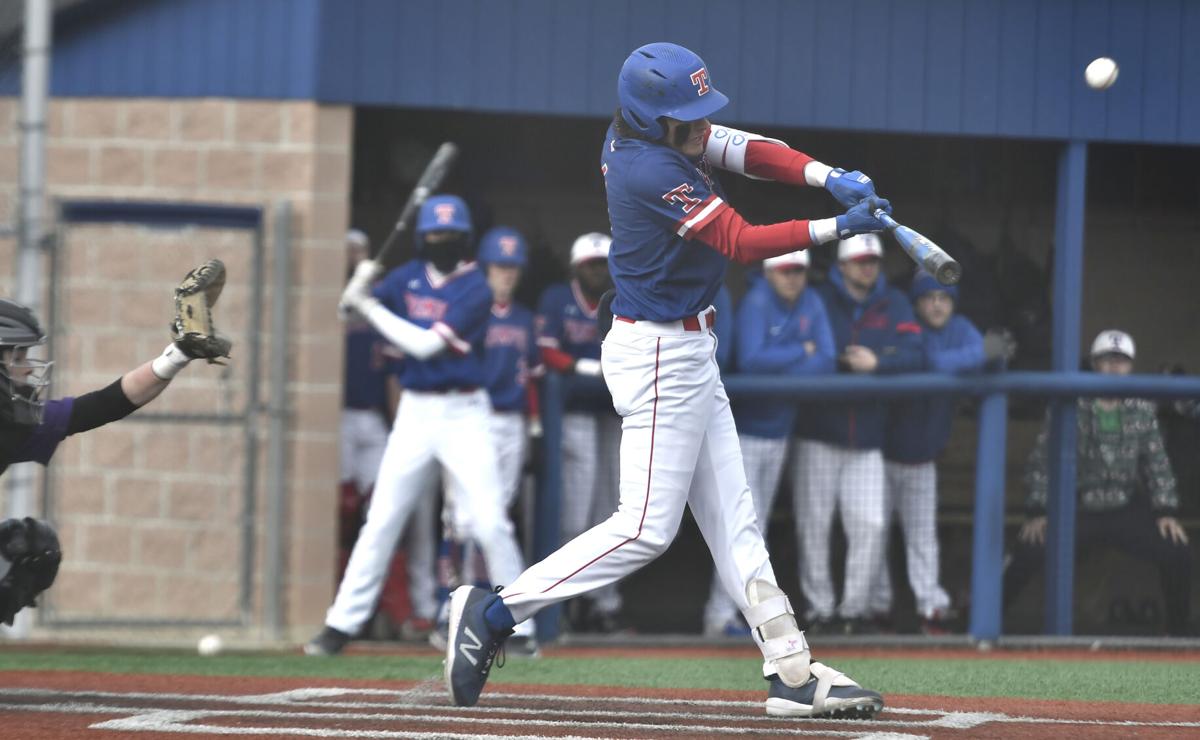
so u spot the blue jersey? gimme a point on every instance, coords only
(510, 356)
(367, 366)
(771, 337)
(567, 322)
(657, 200)
(884, 322)
(457, 307)
(918, 430)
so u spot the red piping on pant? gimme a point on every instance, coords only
(649, 475)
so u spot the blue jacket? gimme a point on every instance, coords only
(918, 430)
(770, 341)
(883, 322)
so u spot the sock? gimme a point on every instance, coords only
(499, 618)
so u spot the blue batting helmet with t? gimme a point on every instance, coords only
(503, 245)
(444, 213)
(663, 79)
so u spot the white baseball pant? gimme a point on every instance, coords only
(829, 478)
(911, 491)
(763, 459)
(508, 435)
(364, 437)
(590, 470)
(678, 447)
(430, 428)
(420, 551)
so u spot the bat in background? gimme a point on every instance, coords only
(932, 258)
(431, 179)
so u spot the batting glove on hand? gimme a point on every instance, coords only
(860, 219)
(357, 294)
(849, 188)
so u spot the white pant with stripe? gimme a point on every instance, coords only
(827, 479)
(678, 447)
(431, 429)
(591, 468)
(911, 493)
(764, 459)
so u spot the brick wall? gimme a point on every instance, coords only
(150, 511)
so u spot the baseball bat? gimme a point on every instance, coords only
(923, 251)
(435, 172)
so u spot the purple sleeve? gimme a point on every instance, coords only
(40, 445)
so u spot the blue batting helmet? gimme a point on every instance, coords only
(503, 245)
(663, 79)
(444, 213)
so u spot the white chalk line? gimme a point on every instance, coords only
(160, 717)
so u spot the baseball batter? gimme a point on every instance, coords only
(435, 309)
(673, 235)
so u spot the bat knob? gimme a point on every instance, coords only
(948, 273)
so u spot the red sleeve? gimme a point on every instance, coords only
(730, 235)
(556, 359)
(774, 162)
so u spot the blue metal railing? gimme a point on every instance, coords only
(994, 389)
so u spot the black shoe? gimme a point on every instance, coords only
(859, 626)
(844, 698)
(825, 626)
(607, 623)
(328, 642)
(472, 644)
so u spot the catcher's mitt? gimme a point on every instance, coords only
(192, 328)
(30, 550)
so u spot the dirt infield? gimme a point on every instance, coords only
(57, 704)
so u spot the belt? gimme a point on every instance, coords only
(448, 391)
(689, 323)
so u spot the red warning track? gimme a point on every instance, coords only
(42, 705)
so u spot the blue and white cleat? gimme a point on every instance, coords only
(828, 694)
(471, 645)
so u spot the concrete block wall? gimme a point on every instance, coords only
(150, 512)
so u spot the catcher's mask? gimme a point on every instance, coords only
(22, 379)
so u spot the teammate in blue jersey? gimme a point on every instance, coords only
(511, 362)
(673, 235)
(591, 431)
(31, 429)
(781, 330)
(435, 309)
(914, 436)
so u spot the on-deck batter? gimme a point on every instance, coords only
(436, 310)
(673, 235)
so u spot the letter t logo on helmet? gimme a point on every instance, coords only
(700, 80)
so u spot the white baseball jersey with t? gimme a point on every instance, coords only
(826, 479)
(678, 447)
(911, 492)
(431, 429)
(764, 459)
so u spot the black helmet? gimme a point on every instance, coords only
(21, 379)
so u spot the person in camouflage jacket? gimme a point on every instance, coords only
(1127, 497)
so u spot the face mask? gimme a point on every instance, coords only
(445, 255)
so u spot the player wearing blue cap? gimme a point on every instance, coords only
(672, 237)
(435, 309)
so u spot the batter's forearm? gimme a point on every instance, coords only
(410, 338)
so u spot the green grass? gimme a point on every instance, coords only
(1157, 682)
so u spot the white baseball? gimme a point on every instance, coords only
(1101, 73)
(209, 645)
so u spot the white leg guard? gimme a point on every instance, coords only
(773, 624)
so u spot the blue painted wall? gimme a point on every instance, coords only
(1010, 68)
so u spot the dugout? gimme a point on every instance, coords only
(981, 129)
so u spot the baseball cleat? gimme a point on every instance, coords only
(828, 694)
(327, 642)
(471, 645)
